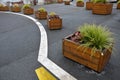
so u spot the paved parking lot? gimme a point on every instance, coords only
(20, 43)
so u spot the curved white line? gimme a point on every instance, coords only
(43, 51)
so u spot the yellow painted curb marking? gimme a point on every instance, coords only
(43, 74)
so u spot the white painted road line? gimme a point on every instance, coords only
(43, 52)
(56, 70)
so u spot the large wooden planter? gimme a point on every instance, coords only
(74, 51)
(41, 15)
(4, 8)
(80, 4)
(54, 23)
(60, 1)
(118, 6)
(102, 8)
(16, 9)
(28, 11)
(67, 2)
(89, 5)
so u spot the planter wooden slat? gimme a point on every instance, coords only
(54, 23)
(102, 8)
(84, 56)
(15, 9)
(74, 51)
(80, 60)
(4, 8)
(89, 5)
(67, 2)
(118, 6)
(80, 4)
(41, 15)
(60, 1)
(28, 11)
(77, 46)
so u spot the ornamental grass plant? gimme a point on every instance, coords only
(42, 9)
(97, 37)
(79, 0)
(99, 1)
(26, 6)
(118, 2)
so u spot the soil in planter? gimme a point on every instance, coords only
(76, 37)
(54, 17)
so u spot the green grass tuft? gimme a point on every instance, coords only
(96, 36)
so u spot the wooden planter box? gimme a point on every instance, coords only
(54, 23)
(74, 51)
(15, 9)
(67, 2)
(80, 4)
(118, 6)
(102, 8)
(89, 5)
(60, 1)
(41, 15)
(4, 8)
(28, 11)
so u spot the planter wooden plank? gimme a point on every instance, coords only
(4, 8)
(80, 4)
(67, 2)
(55, 23)
(60, 1)
(28, 11)
(15, 9)
(41, 15)
(89, 5)
(118, 6)
(102, 8)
